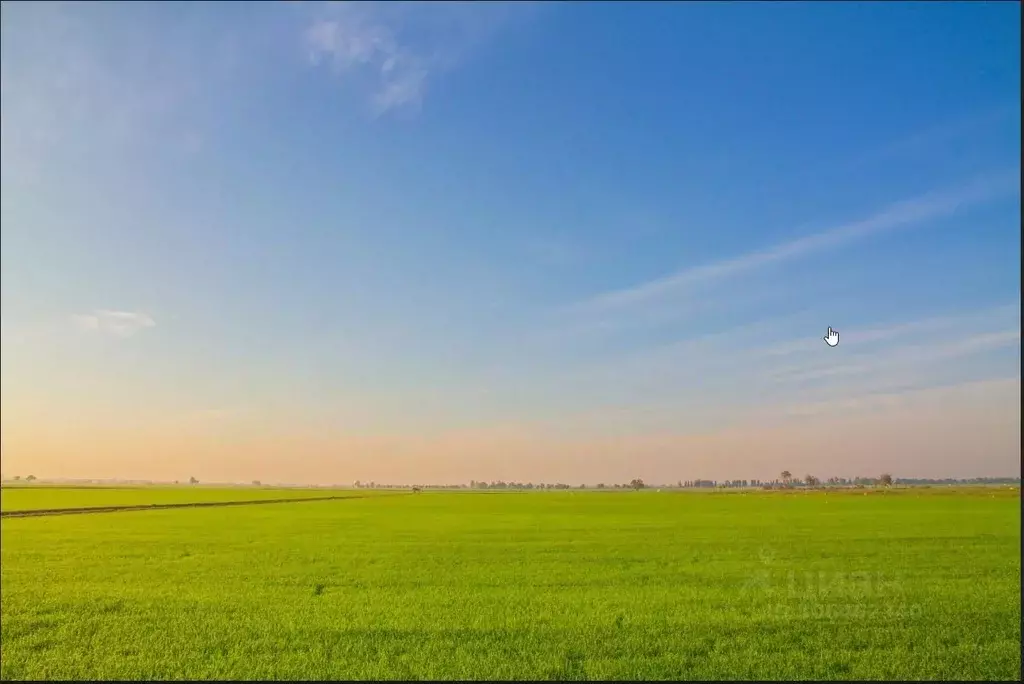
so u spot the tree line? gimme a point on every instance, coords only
(786, 480)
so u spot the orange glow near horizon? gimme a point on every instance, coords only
(964, 431)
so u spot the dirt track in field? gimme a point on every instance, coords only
(153, 507)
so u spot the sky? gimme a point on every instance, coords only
(577, 242)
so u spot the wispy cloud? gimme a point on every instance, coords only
(902, 214)
(75, 82)
(398, 48)
(888, 400)
(723, 377)
(354, 42)
(1000, 315)
(903, 357)
(939, 134)
(113, 323)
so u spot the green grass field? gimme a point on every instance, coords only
(913, 584)
(24, 498)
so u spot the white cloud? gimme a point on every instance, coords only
(113, 323)
(938, 134)
(899, 215)
(352, 43)
(728, 376)
(1001, 315)
(907, 356)
(398, 47)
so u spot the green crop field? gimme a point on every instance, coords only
(24, 498)
(911, 584)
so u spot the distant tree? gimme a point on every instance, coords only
(786, 476)
(256, 483)
(30, 478)
(810, 480)
(193, 480)
(885, 480)
(416, 490)
(600, 485)
(17, 477)
(636, 484)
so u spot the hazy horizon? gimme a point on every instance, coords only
(311, 243)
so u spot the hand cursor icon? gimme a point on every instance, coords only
(832, 338)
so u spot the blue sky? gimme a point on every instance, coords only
(542, 222)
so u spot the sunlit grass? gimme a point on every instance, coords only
(567, 585)
(50, 497)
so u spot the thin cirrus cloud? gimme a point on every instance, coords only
(940, 134)
(879, 353)
(1001, 391)
(726, 376)
(738, 356)
(906, 356)
(397, 48)
(75, 82)
(999, 315)
(113, 323)
(358, 44)
(927, 343)
(902, 214)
